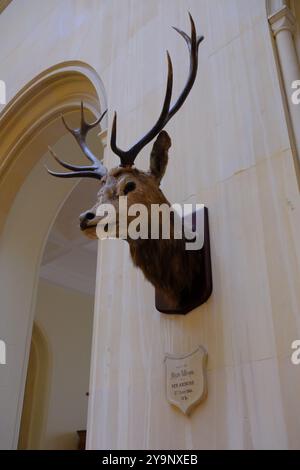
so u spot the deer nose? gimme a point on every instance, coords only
(85, 217)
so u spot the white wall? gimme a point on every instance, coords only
(65, 316)
(231, 151)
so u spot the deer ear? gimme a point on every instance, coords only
(159, 155)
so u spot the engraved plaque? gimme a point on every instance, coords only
(186, 379)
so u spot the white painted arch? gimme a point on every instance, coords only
(57, 90)
(30, 202)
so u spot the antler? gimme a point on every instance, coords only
(128, 157)
(97, 169)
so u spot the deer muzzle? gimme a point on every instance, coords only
(88, 219)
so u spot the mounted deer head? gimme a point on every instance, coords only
(165, 262)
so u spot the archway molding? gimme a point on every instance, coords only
(30, 202)
(57, 90)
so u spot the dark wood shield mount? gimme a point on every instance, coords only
(202, 286)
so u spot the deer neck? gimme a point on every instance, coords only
(162, 262)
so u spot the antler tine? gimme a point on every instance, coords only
(86, 126)
(66, 125)
(193, 43)
(127, 157)
(97, 169)
(74, 174)
(69, 166)
(81, 132)
(113, 138)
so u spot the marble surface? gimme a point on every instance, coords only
(230, 151)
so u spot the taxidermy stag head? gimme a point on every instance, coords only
(165, 262)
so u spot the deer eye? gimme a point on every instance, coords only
(130, 186)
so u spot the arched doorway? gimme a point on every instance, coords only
(30, 201)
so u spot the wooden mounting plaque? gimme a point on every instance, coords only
(202, 286)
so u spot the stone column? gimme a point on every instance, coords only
(283, 25)
(249, 323)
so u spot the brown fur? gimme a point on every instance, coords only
(165, 262)
(167, 265)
